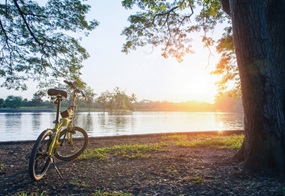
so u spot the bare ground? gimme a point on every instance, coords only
(173, 171)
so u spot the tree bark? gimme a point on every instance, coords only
(259, 38)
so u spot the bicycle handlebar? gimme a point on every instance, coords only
(75, 88)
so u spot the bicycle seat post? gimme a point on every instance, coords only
(57, 102)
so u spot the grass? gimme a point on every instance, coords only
(193, 179)
(100, 193)
(2, 167)
(133, 151)
(206, 140)
(142, 151)
(30, 194)
(78, 183)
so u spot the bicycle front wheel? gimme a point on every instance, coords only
(39, 159)
(72, 143)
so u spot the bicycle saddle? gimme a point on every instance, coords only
(55, 92)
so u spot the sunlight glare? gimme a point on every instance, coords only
(192, 80)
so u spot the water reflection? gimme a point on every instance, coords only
(102, 121)
(229, 121)
(12, 122)
(27, 126)
(118, 122)
(115, 123)
(36, 120)
(85, 120)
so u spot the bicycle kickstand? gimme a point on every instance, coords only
(56, 168)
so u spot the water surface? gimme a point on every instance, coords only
(27, 126)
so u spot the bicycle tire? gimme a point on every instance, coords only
(39, 160)
(67, 150)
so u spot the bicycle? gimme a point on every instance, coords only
(64, 142)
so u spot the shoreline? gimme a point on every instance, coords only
(213, 132)
(31, 109)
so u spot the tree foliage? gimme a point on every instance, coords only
(104, 99)
(89, 96)
(170, 24)
(117, 100)
(37, 98)
(38, 41)
(13, 101)
(2, 102)
(227, 68)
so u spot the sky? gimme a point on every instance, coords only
(143, 72)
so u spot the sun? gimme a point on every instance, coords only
(203, 89)
(193, 83)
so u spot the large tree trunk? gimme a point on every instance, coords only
(259, 30)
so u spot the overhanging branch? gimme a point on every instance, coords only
(26, 23)
(226, 6)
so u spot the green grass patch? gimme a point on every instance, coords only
(136, 151)
(105, 193)
(130, 151)
(2, 167)
(206, 140)
(30, 194)
(78, 183)
(21, 194)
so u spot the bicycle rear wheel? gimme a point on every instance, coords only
(39, 159)
(72, 143)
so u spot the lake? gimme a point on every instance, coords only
(27, 126)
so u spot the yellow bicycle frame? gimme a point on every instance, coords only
(63, 122)
(59, 125)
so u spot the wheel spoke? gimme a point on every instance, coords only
(72, 144)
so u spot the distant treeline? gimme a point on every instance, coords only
(192, 106)
(118, 100)
(222, 104)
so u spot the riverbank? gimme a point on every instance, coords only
(80, 109)
(35, 109)
(154, 164)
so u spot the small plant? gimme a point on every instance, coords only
(30, 194)
(21, 194)
(78, 183)
(197, 180)
(2, 167)
(115, 193)
(171, 169)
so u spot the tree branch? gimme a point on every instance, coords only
(226, 6)
(26, 23)
(189, 16)
(6, 36)
(163, 14)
